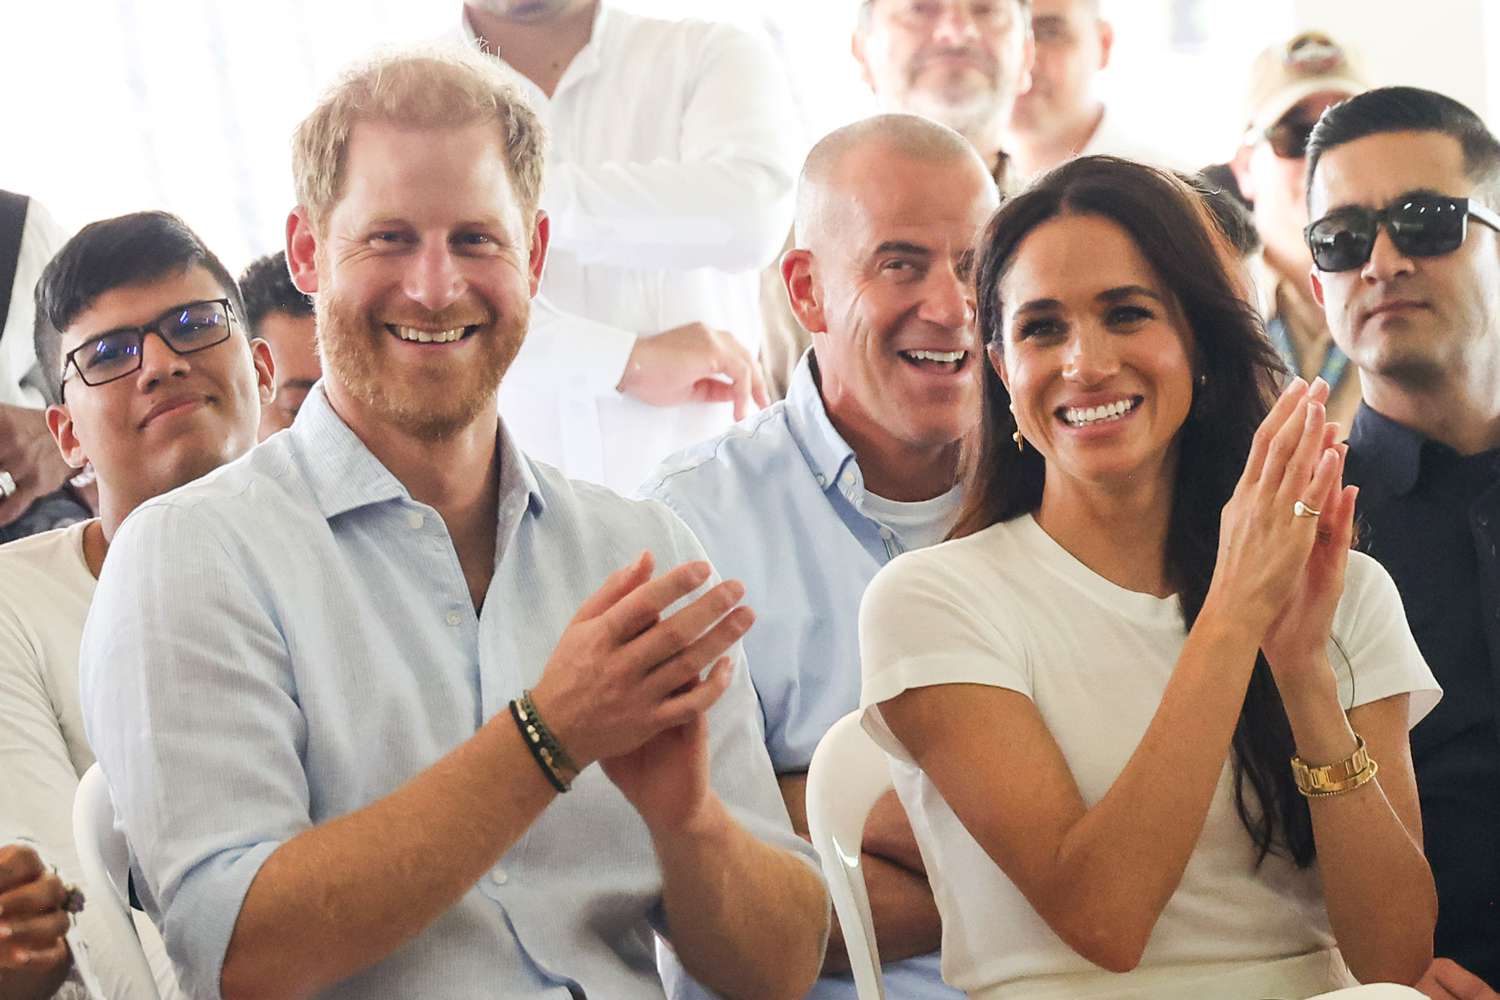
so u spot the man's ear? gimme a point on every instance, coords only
(1317, 285)
(1240, 167)
(302, 250)
(541, 236)
(857, 49)
(265, 370)
(60, 423)
(1106, 42)
(797, 274)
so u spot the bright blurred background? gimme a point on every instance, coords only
(115, 105)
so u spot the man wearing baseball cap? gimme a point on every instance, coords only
(1290, 85)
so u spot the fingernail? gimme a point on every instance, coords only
(5, 931)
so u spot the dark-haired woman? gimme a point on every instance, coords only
(1149, 713)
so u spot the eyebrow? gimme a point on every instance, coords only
(1358, 205)
(901, 246)
(1108, 296)
(297, 383)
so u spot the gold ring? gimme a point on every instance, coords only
(1300, 509)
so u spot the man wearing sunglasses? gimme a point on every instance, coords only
(152, 379)
(1405, 247)
(1290, 86)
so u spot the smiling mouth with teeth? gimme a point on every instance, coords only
(951, 360)
(1087, 416)
(413, 335)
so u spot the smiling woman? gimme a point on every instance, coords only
(1137, 609)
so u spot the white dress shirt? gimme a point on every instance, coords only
(669, 183)
(19, 378)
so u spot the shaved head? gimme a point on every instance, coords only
(823, 195)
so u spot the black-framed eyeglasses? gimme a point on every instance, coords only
(1288, 138)
(185, 328)
(1420, 224)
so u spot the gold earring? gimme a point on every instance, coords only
(1016, 437)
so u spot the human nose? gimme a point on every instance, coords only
(1386, 259)
(956, 25)
(946, 301)
(433, 279)
(159, 362)
(1090, 356)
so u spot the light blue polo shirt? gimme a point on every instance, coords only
(779, 503)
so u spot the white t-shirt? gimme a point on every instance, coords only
(916, 524)
(45, 590)
(1009, 607)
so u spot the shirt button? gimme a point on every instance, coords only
(822, 480)
(415, 519)
(454, 618)
(499, 876)
(885, 533)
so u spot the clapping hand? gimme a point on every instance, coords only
(34, 913)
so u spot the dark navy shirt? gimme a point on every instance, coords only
(1432, 517)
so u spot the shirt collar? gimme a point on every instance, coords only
(584, 64)
(345, 475)
(827, 453)
(1393, 449)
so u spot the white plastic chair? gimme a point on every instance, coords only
(1373, 991)
(105, 861)
(848, 774)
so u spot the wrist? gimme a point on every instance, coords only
(1321, 732)
(631, 372)
(1224, 622)
(706, 823)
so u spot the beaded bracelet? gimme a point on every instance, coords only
(549, 755)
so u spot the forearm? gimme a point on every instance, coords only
(1383, 924)
(342, 896)
(1118, 865)
(905, 915)
(731, 901)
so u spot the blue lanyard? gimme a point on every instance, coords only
(1335, 365)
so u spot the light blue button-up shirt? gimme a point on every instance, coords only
(780, 504)
(291, 638)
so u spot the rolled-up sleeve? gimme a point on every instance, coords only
(190, 704)
(724, 202)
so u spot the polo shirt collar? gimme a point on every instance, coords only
(827, 453)
(1392, 448)
(344, 475)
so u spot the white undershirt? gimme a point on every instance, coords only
(918, 524)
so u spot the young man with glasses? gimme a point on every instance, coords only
(153, 380)
(1290, 86)
(1405, 251)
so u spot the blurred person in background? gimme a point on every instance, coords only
(960, 63)
(1290, 85)
(669, 186)
(35, 492)
(281, 315)
(1062, 114)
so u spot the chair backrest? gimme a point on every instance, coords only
(105, 860)
(848, 774)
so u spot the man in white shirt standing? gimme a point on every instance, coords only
(155, 380)
(30, 469)
(669, 185)
(1062, 115)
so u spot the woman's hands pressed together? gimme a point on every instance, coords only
(1278, 571)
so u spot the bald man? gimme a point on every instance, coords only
(805, 501)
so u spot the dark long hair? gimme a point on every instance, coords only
(1240, 375)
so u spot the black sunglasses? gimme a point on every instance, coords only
(1288, 139)
(1420, 224)
(192, 326)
